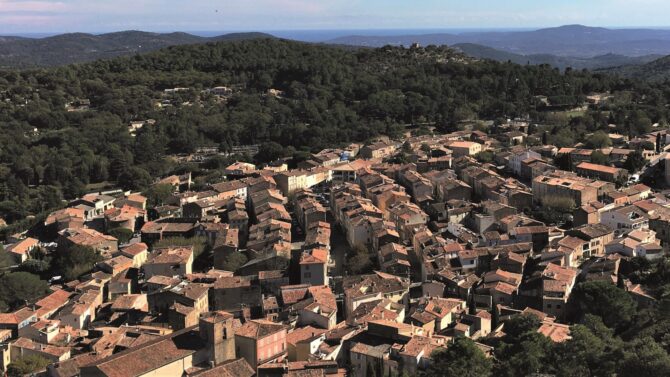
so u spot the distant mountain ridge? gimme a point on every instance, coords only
(575, 41)
(562, 62)
(575, 46)
(19, 52)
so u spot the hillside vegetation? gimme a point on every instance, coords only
(328, 96)
(657, 70)
(71, 48)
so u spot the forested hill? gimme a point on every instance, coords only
(80, 47)
(657, 70)
(327, 96)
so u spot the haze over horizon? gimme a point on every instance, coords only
(60, 16)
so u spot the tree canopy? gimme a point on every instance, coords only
(462, 358)
(52, 150)
(20, 288)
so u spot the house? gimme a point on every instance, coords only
(229, 368)
(20, 251)
(509, 261)
(625, 218)
(416, 355)
(204, 208)
(318, 309)
(327, 368)
(515, 160)
(314, 267)
(464, 148)
(231, 189)
(268, 233)
(436, 312)
(418, 186)
(234, 293)
(556, 332)
(133, 200)
(138, 252)
(115, 265)
(178, 182)
(47, 306)
(538, 235)
(376, 310)
(126, 217)
(17, 320)
(474, 326)
(190, 295)
(394, 259)
(81, 311)
(377, 150)
(557, 284)
(596, 237)
(260, 342)
(130, 303)
(572, 250)
(601, 172)
(169, 261)
(365, 357)
(102, 243)
(239, 169)
(43, 331)
(308, 210)
(501, 285)
(453, 189)
(407, 216)
(304, 342)
(317, 236)
(581, 191)
(153, 231)
(292, 181)
(94, 204)
(377, 286)
(24, 347)
(66, 218)
(587, 214)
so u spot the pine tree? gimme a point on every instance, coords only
(495, 316)
(472, 306)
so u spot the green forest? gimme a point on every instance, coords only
(331, 95)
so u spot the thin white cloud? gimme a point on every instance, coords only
(224, 15)
(7, 6)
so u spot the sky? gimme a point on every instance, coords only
(56, 16)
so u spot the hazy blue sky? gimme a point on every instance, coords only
(35, 16)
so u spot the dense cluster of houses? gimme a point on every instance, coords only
(455, 244)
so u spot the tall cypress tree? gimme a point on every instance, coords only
(472, 306)
(495, 317)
